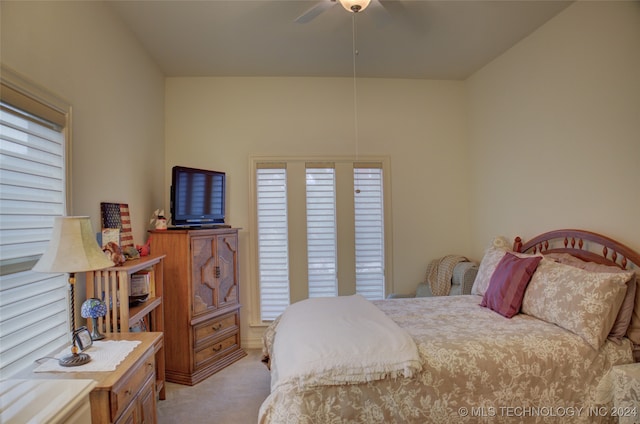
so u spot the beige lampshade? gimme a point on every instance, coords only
(73, 248)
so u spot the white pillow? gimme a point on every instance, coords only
(488, 265)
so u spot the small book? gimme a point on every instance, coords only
(139, 287)
(110, 235)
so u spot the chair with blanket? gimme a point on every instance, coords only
(450, 275)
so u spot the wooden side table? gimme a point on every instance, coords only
(626, 393)
(126, 394)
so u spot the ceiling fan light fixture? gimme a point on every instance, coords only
(355, 5)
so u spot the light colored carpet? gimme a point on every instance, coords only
(230, 396)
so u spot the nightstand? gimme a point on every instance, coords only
(125, 395)
(626, 393)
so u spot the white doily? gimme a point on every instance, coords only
(105, 356)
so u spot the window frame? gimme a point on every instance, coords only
(48, 109)
(41, 95)
(343, 195)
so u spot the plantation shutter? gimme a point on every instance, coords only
(369, 230)
(321, 230)
(34, 318)
(273, 248)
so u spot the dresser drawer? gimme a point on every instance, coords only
(213, 328)
(128, 388)
(217, 349)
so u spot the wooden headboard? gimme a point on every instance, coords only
(585, 245)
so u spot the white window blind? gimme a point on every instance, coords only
(273, 248)
(321, 231)
(34, 318)
(369, 230)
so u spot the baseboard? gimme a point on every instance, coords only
(252, 343)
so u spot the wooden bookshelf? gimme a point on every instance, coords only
(112, 286)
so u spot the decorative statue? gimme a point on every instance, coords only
(114, 253)
(145, 249)
(158, 220)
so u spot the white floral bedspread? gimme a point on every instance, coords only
(477, 367)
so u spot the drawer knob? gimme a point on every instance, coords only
(217, 326)
(217, 349)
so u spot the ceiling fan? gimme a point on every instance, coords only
(353, 6)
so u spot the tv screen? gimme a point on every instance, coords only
(197, 197)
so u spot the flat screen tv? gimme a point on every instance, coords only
(197, 197)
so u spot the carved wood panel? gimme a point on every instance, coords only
(204, 281)
(227, 248)
(215, 277)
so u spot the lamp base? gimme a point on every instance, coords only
(95, 334)
(74, 360)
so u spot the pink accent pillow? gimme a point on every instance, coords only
(508, 283)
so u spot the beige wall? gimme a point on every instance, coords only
(555, 119)
(554, 127)
(83, 53)
(217, 123)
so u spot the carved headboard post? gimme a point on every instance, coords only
(613, 252)
(517, 245)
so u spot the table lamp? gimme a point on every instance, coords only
(72, 248)
(94, 308)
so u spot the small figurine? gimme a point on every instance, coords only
(146, 249)
(158, 220)
(114, 253)
(131, 252)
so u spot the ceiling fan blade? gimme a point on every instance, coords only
(310, 14)
(379, 13)
(399, 10)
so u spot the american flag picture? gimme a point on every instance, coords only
(116, 215)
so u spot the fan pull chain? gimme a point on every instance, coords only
(355, 95)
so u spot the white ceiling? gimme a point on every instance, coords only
(448, 39)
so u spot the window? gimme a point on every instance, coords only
(369, 223)
(321, 231)
(322, 227)
(34, 318)
(273, 252)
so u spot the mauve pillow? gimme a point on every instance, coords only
(623, 320)
(489, 262)
(636, 353)
(633, 332)
(508, 283)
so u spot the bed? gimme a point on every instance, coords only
(545, 323)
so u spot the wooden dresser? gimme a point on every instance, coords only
(126, 395)
(201, 301)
